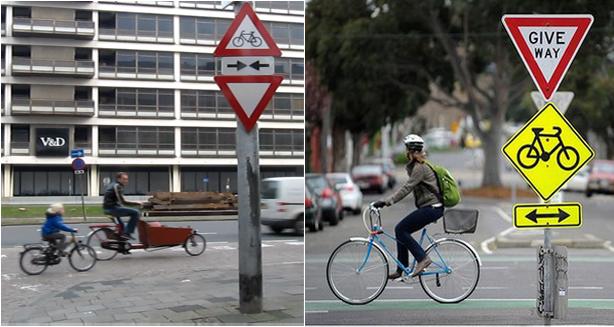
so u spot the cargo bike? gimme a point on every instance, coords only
(106, 240)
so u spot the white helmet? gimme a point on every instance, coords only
(413, 142)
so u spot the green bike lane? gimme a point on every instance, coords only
(505, 294)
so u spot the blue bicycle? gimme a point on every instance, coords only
(357, 271)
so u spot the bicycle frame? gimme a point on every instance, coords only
(537, 139)
(373, 238)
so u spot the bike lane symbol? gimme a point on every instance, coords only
(547, 151)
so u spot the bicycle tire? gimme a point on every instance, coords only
(565, 149)
(256, 42)
(96, 238)
(437, 262)
(84, 251)
(238, 41)
(354, 285)
(195, 238)
(530, 147)
(30, 252)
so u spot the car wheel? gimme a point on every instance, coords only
(381, 190)
(320, 223)
(276, 229)
(299, 225)
(333, 220)
(589, 194)
(341, 216)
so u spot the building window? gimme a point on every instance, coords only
(138, 102)
(208, 139)
(203, 28)
(82, 137)
(209, 179)
(143, 180)
(118, 25)
(20, 137)
(142, 140)
(198, 64)
(290, 68)
(143, 63)
(47, 181)
(286, 33)
(281, 140)
(195, 102)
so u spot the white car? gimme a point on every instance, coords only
(351, 196)
(579, 182)
(282, 204)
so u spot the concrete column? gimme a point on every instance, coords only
(8, 61)
(7, 181)
(94, 188)
(177, 142)
(95, 98)
(7, 99)
(94, 141)
(177, 104)
(9, 21)
(7, 140)
(96, 65)
(176, 66)
(176, 27)
(95, 20)
(176, 179)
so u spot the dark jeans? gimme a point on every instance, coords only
(414, 222)
(58, 239)
(123, 212)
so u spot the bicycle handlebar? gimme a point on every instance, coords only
(371, 211)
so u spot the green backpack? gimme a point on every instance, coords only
(450, 194)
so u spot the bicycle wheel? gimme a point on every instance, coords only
(523, 156)
(95, 241)
(570, 160)
(33, 261)
(454, 273)
(238, 41)
(195, 244)
(356, 272)
(256, 42)
(82, 257)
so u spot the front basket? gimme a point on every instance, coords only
(460, 221)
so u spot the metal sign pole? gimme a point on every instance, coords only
(250, 249)
(82, 198)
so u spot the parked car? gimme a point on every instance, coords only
(601, 178)
(438, 138)
(282, 205)
(313, 212)
(388, 166)
(351, 196)
(370, 177)
(579, 182)
(328, 198)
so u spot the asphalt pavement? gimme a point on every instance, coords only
(506, 292)
(159, 287)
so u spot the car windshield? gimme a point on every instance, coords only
(605, 168)
(316, 182)
(269, 189)
(367, 170)
(338, 180)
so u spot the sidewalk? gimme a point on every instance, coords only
(165, 287)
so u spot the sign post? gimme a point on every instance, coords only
(247, 81)
(547, 151)
(78, 166)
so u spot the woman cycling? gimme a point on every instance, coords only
(423, 182)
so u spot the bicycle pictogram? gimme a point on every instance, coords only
(250, 38)
(529, 154)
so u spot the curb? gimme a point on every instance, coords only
(79, 220)
(504, 242)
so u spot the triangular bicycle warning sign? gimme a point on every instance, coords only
(247, 36)
(547, 45)
(248, 95)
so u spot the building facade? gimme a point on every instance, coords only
(131, 83)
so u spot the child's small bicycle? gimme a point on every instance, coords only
(35, 257)
(357, 270)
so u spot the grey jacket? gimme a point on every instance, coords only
(422, 181)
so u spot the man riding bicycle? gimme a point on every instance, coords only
(423, 183)
(114, 204)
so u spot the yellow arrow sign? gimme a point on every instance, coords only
(547, 151)
(555, 215)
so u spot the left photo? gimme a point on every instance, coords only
(152, 163)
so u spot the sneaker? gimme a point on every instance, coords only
(126, 237)
(396, 275)
(421, 265)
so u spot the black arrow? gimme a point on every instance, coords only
(239, 65)
(256, 65)
(533, 215)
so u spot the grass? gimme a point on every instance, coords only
(38, 211)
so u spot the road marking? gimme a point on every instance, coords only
(280, 241)
(264, 245)
(491, 288)
(295, 243)
(310, 288)
(292, 262)
(495, 268)
(317, 311)
(585, 287)
(223, 247)
(217, 242)
(393, 288)
(608, 245)
(504, 216)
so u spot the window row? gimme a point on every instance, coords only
(260, 6)
(130, 24)
(197, 102)
(133, 138)
(112, 100)
(131, 62)
(221, 139)
(201, 64)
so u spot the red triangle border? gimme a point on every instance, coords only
(513, 23)
(248, 121)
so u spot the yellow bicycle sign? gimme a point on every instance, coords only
(547, 151)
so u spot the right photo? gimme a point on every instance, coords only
(459, 162)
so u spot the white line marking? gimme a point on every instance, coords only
(585, 287)
(504, 216)
(317, 311)
(210, 233)
(295, 243)
(292, 262)
(280, 241)
(608, 245)
(264, 245)
(223, 247)
(310, 288)
(494, 268)
(491, 287)
(217, 242)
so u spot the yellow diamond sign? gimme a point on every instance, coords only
(547, 151)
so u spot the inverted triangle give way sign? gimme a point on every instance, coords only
(547, 45)
(248, 95)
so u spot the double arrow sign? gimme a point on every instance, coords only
(255, 65)
(247, 65)
(532, 215)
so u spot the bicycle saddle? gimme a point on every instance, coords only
(537, 130)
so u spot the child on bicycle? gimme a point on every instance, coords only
(53, 225)
(423, 183)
